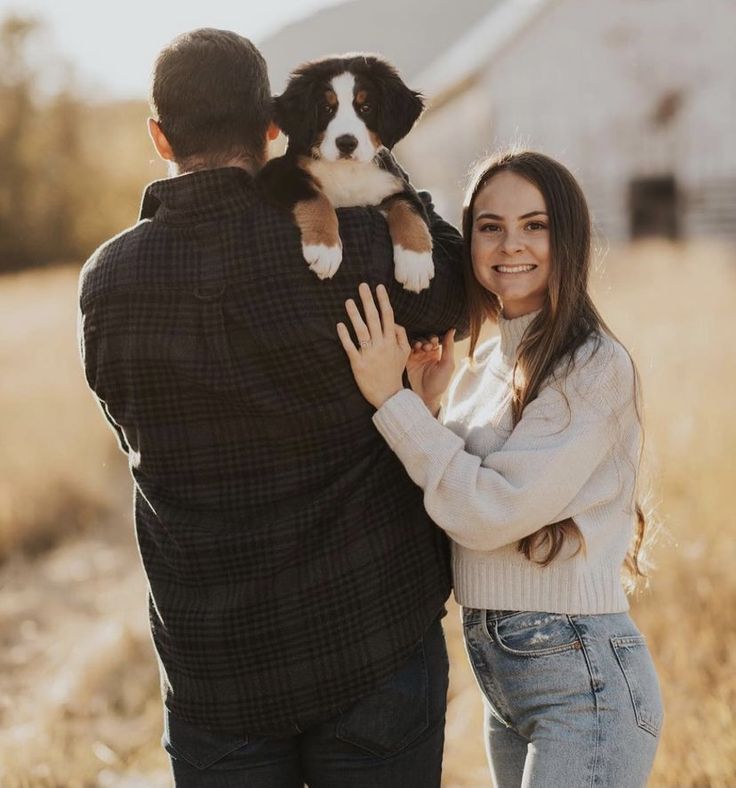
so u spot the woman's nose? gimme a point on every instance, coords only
(512, 243)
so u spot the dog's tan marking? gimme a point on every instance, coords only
(317, 221)
(330, 97)
(407, 228)
(375, 139)
(314, 150)
(361, 96)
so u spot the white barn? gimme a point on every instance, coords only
(637, 97)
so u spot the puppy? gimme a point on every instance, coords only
(342, 115)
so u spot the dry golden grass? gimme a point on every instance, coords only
(674, 308)
(78, 689)
(55, 472)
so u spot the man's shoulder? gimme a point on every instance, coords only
(99, 267)
(272, 237)
(366, 220)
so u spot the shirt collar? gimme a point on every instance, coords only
(198, 196)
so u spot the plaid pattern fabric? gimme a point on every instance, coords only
(291, 563)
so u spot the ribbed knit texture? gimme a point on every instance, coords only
(573, 454)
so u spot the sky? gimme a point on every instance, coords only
(112, 45)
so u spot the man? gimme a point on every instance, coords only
(296, 583)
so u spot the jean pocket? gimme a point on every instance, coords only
(531, 634)
(390, 718)
(200, 748)
(636, 664)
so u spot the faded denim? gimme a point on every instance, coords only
(571, 701)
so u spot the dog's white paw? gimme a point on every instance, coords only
(323, 260)
(413, 269)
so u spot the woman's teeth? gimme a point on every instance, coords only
(513, 269)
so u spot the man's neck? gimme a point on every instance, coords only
(197, 165)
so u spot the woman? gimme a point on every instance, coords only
(532, 473)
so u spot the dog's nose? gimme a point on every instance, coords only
(346, 143)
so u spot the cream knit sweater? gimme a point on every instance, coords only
(574, 453)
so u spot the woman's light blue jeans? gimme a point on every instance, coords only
(570, 700)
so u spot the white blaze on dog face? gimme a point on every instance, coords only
(346, 135)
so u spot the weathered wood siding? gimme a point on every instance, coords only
(618, 90)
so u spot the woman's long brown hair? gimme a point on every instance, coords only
(566, 321)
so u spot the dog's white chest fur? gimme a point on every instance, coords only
(349, 183)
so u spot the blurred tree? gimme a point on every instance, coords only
(71, 171)
(67, 174)
(17, 118)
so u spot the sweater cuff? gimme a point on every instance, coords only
(399, 415)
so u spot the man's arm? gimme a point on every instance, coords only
(87, 338)
(443, 305)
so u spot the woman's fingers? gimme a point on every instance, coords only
(376, 324)
(402, 338)
(347, 342)
(387, 312)
(359, 326)
(373, 319)
(427, 344)
(448, 348)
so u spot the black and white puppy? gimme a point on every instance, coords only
(341, 114)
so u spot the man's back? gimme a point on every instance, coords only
(291, 564)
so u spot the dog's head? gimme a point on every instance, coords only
(346, 108)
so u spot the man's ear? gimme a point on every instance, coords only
(163, 148)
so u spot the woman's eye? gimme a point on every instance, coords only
(489, 228)
(536, 226)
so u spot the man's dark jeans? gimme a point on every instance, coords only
(391, 738)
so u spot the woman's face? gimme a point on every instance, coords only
(510, 243)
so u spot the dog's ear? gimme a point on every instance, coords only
(400, 107)
(285, 110)
(294, 110)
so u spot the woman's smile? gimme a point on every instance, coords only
(514, 269)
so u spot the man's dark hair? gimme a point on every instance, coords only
(211, 98)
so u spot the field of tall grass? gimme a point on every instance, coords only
(79, 704)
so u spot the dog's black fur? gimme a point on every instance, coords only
(387, 108)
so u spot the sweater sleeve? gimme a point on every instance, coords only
(535, 478)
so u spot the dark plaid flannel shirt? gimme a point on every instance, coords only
(291, 564)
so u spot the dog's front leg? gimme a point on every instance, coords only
(413, 264)
(321, 245)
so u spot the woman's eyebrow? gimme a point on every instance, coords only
(487, 215)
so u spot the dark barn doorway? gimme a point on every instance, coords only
(653, 207)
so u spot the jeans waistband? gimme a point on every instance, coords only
(472, 615)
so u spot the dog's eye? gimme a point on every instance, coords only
(328, 109)
(364, 109)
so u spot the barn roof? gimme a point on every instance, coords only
(410, 33)
(464, 61)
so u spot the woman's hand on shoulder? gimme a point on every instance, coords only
(379, 359)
